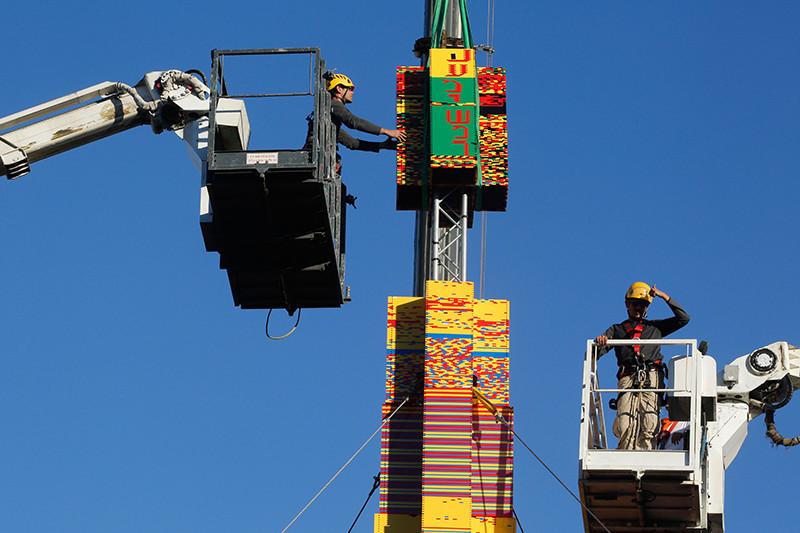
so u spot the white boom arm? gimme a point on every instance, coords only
(746, 388)
(165, 100)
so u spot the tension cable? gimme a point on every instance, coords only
(375, 485)
(514, 512)
(489, 49)
(501, 419)
(345, 465)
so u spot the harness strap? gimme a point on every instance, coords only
(628, 369)
(634, 332)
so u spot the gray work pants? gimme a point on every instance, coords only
(636, 424)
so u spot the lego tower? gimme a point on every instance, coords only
(446, 462)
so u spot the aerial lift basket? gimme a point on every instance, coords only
(276, 217)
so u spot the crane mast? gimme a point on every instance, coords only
(441, 225)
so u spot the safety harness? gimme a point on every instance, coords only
(639, 368)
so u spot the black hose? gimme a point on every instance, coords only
(285, 335)
(773, 434)
(199, 73)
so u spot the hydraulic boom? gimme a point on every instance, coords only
(167, 100)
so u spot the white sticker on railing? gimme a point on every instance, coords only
(261, 158)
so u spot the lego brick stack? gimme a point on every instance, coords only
(446, 464)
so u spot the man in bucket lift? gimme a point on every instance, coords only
(341, 88)
(640, 367)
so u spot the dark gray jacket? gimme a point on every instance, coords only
(652, 329)
(340, 115)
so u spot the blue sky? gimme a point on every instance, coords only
(648, 141)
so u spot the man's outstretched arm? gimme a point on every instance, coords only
(348, 141)
(344, 116)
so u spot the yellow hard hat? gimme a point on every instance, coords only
(639, 290)
(341, 79)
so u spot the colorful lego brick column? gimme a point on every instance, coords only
(446, 464)
(447, 419)
(453, 116)
(400, 506)
(452, 126)
(412, 164)
(492, 443)
(493, 127)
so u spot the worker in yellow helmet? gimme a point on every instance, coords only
(342, 89)
(640, 367)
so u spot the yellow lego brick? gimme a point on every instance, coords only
(448, 308)
(405, 323)
(452, 63)
(492, 375)
(442, 513)
(491, 524)
(449, 322)
(397, 523)
(400, 300)
(449, 289)
(491, 324)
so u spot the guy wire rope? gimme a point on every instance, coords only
(521, 529)
(501, 419)
(375, 484)
(484, 215)
(345, 465)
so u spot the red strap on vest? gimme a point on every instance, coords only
(634, 332)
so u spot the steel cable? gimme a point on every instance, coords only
(484, 215)
(498, 416)
(376, 483)
(345, 465)
(521, 529)
(552, 473)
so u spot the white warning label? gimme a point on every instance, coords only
(261, 158)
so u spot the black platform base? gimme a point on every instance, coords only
(280, 236)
